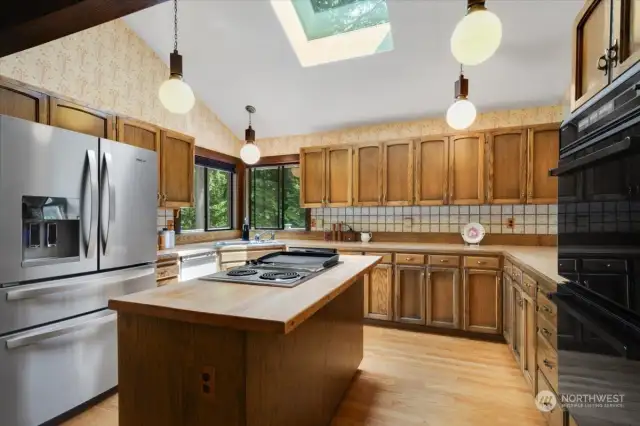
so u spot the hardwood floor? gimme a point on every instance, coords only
(410, 379)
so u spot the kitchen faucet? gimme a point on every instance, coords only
(258, 237)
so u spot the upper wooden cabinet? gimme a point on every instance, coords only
(312, 168)
(506, 165)
(338, 176)
(78, 118)
(138, 133)
(625, 44)
(543, 152)
(466, 169)
(367, 175)
(177, 163)
(397, 172)
(20, 102)
(432, 170)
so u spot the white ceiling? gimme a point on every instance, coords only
(236, 53)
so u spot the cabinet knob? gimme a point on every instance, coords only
(545, 332)
(444, 261)
(603, 63)
(408, 258)
(547, 309)
(481, 262)
(612, 54)
(548, 364)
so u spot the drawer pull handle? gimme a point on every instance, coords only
(548, 364)
(481, 262)
(547, 309)
(408, 258)
(444, 261)
(546, 332)
(608, 265)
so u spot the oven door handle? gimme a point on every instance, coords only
(617, 148)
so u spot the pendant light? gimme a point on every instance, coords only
(250, 153)
(477, 36)
(174, 93)
(462, 113)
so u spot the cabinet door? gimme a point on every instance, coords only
(177, 151)
(339, 176)
(378, 293)
(313, 177)
(432, 168)
(20, 102)
(466, 169)
(482, 301)
(543, 152)
(506, 167)
(612, 286)
(517, 328)
(592, 32)
(70, 116)
(397, 172)
(529, 341)
(367, 175)
(443, 295)
(409, 295)
(626, 35)
(507, 314)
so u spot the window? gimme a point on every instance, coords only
(213, 188)
(275, 198)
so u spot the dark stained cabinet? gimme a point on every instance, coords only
(20, 102)
(78, 118)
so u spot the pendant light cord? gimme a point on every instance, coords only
(175, 25)
(461, 72)
(249, 118)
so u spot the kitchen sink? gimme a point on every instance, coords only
(246, 243)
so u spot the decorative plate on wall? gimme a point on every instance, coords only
(473, 233)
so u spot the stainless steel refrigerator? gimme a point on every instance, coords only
(77, 227)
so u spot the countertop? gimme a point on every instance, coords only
(209, 247)
(246, 307)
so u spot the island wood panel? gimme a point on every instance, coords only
(312, 166)
(378, 293)
(409, 295)
(367, 175)
(626, 30)
(506, 167)
(432, 168)
(466, 169)
(177, 168)
(300, 378)
(397, 170)
(339, 175)
(443, 297)
(482, 301)
(591, 38)
(21, 102)
(72, 116)
(543, 152)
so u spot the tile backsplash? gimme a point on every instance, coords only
(525, 218)
(163, 216)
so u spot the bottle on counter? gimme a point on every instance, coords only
(245, 229)
(172, 234)
(166, 238)
(161, 239)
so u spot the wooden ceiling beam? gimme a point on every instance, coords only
(26, 24)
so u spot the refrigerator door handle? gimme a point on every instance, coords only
(31, 339)
(108, 168)
(93, 173)
(38, 290)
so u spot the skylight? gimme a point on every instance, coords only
(322, 31)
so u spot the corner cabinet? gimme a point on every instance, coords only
(506, 164)
(542, 155)
(432, 171)
(410, 295)
(326, 177)
(397, 173)
(482, 301)
(20, 102)
(367, 175)
(466, 169)
(177, 154)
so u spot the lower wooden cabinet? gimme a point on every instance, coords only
(528, 360)
(517, 325)
(378, 293)
(409, 306)
(507, 308)
(482, 301)
(443, 295)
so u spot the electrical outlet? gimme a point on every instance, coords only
(510, 222)
(207, 381)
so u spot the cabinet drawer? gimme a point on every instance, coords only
(604, 265)
(548, 361)
(481, 262)
(554, 417)
(172, 280)
(386, 257)
(516, 273)
(409, 259)
(164, 272)
(548, 331)
(508, 268)
(441, 260)
(529, 285)
(547, 309)
(567, 265)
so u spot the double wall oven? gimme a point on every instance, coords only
(599, 255)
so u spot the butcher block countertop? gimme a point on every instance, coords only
(246, 307)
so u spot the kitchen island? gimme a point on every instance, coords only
(210, 353)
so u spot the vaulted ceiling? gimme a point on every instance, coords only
(236, 53)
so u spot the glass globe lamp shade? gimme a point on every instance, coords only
(461, 114)
(476, 37)
(176, 96)
(250, 153)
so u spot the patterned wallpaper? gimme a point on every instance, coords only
(409, 129)
(110, 68)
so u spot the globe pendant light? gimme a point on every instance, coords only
(250, 153)
(477, 36)
(174, 93)
(462, 113)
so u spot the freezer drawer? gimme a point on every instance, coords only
(33, 304)
(49, 370)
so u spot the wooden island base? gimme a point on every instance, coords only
(177, 373)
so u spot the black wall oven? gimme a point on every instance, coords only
(599, 254)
